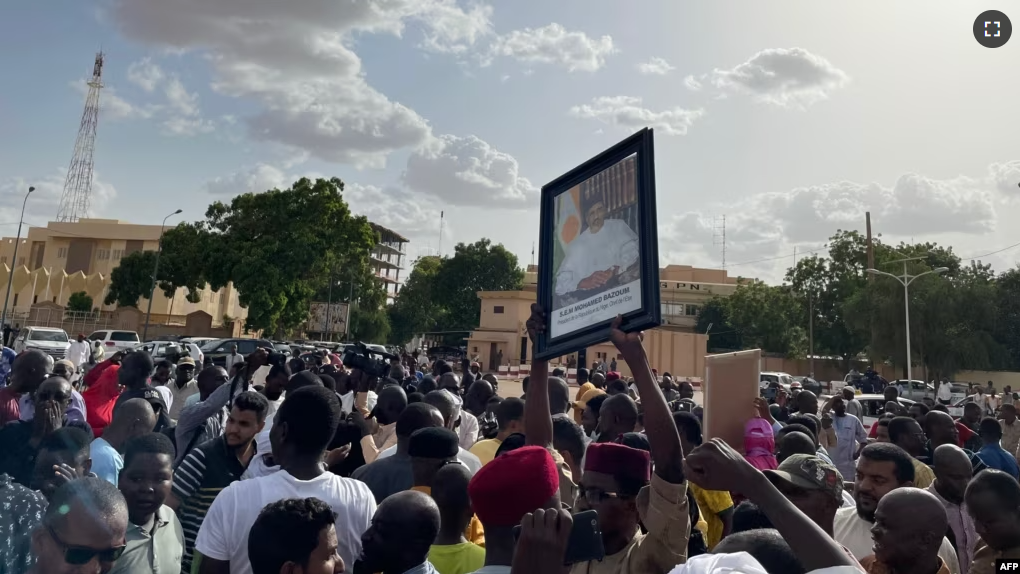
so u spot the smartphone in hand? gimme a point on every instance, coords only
(585, 542)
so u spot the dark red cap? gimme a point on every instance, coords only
(512, 485)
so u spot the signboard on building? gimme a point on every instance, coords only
(706, 288)
(327, 318)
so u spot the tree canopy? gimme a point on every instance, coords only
(441, 294)
(80, 302)
(131, 280)
(963, 318)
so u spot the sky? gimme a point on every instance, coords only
(790, 123)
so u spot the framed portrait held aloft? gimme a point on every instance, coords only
(599, 249)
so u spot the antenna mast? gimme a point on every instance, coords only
(74, 202)
(719, 236)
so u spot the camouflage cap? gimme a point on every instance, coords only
(810, 473)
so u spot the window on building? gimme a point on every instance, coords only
(670, 309)
(21, 260)
(62, 253)
(3, 259)
(35, 299)
(498, 309)
(118, 254)
(691, 310)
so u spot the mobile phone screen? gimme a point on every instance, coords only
(585, 542)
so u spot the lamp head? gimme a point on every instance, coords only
(872, 271)
(31, 189)
(940, 269)
(178, 211)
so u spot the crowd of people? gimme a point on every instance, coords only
(279, 466)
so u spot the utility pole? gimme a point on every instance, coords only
(870, 249)
(811, 334)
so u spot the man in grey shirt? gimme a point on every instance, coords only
(204, 420)
(393, 474)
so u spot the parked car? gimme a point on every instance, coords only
(53, 342)
(282, 348)
(217, 350)
(114, 341)
(913, 389)
(767, 377)
(809, 384)
(160, 349)
(956, 407)
(873, 405)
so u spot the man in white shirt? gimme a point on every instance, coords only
(233, 358)
(303, 428)
(79, 351)
(196, 354)
(606, 248)
(182, 387)
(945, 392)
(882, 468)
(849, 433)
(853, 406)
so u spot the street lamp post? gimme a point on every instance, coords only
(155, 272)
(14, 260)
(906, 279)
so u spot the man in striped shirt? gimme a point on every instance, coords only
(213, 465)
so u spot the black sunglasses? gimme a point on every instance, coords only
(79, 555)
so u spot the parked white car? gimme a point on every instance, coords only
(53, 342)
(114, 341)
(159, 349)
(768, 377)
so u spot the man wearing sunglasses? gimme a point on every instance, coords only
(83, 529)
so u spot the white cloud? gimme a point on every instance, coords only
(692, 84)
(1006, 177)
(782, 76)
(553, 44)
(261, 177)
(295, 59)
(179, 99)
(112, 107)
(770, 224)
(181, 126)
(145, 74)
(44, 203)
(467, 171)
(396, 209)
(655, 67)
(628, 112)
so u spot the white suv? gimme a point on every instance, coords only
(49, 340)
(114, 341)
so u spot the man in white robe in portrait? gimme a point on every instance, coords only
(606, 249)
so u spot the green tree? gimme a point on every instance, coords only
(131, 280)
(767, 318)
(416, 309)
(1007, 331)
(722, 335)
(183, 261)
(80, 302)
(280, 247)
(822, 285)
(474, 267)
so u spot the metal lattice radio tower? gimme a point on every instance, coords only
(74, 202)
(719, 236)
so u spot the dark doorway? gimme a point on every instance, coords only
(492, 357)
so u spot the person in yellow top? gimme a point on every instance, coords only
(510, 417)
(432, 449)
(716, 505)
(452, 553)
(906, 433)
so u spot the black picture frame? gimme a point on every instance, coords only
(649, 315)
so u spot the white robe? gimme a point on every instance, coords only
(615, 245)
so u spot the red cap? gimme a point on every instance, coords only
(618, 460)
(512, 485)
(612, 376)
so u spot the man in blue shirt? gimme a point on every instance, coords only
(7, 356)
(992, 453)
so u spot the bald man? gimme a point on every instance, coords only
(559, 396)
(618, 415)
(807, 403)
(953, 472)
(794, 443)
(392, 401)
(476, 401)
(909, 526)
(402, 531)
(132, 418)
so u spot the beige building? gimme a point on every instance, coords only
(501, 336)
(63, 258)
(387, 259)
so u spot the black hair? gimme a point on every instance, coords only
(559, 372)
(297, 364)
(568, 436)
(415, 397)
(888, 452)
(524, 383)
(512, 442)
(559, 396)
(96, 496)
(252, 401)
(442, 367)
(165, 364)
(311, 414)
(747, 516)
(328, 382)
(149, 443)
(442, 401)
(796, 427)
(135, 369)
(596, 404)
(619, 386)
(941, 407)
(508, 411)
(924, 408)
(1002, 484)
(450, 491)
(287, 531)
(971, 406)
(990, 428)
(277, 370)
(71, 440)
(583, 373)
(884, 421)
(416, 416)
(899, 427)
(796, 443)
(766, 546)
(302, 380)
(689, 426)
(427, 385)
(805, 420)
(276, 359)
